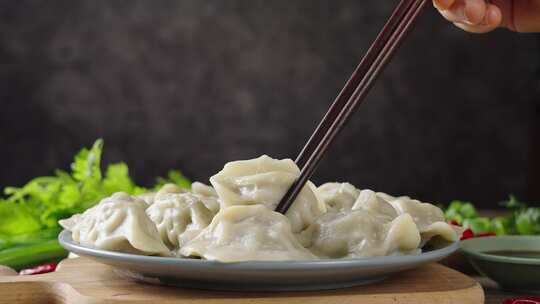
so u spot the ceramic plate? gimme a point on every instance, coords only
(256, 276)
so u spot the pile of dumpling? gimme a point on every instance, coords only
(234, 220)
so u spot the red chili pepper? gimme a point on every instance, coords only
(467, 234)
(45, 268)
(454, 222)
(524, 300)
(486, 234)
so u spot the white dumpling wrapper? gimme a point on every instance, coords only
(338, 196)
(247, 233)
(306, 208)
(360, 233)
(179, 216)
(261, 180)
(117, 223)
(429, 219)
(148, 198)
(202, 189)
(265, 181)
(424, 214)
(446, 232)
(385, 196)
(369, 201)
(389, 198)
(207, 195)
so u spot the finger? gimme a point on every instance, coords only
(466, 11)
(472, 12)
(456, 13)
(508, 10)
(442, 5)
(475, 11)
(492, 20)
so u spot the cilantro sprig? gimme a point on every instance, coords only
(522, 220)
(29, 214)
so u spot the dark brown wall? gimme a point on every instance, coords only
(193, 84)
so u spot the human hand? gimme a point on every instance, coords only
(482, 16)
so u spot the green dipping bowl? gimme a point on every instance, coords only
(521, 274)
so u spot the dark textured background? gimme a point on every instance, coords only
(193, 84)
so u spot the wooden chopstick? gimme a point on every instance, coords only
(354, 92)
(397, 15)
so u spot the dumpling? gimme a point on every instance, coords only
(179, 216)
(424, 214)
(306, 208)
(389, 198)
(246, 233)
(207, 195)
(265, 181)
(361, 233)
(256, 181)
(429, 219)
(338, 196)
(117, 223)
(148, 198)
(202, 189)
(442, 230)
(171, 188)
(402, 236)
(370, 201)
(385, 196)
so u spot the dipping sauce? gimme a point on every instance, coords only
(516, 253)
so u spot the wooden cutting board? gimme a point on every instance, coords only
(83, 281)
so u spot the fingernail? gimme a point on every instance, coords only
(443, 5)
(472, 10)
(461, 14)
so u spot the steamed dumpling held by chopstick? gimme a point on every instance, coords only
(265, 180)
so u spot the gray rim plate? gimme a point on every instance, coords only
(256, 275)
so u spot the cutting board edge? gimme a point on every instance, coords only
(57, 289)
(63, 293)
